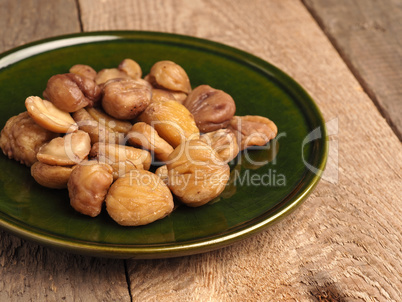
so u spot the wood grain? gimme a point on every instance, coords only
(367, 33)
(29, 272)
(24, 21)
(344, 242)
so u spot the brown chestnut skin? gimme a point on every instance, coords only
(71, 92)
(212, 108)
(126, 98)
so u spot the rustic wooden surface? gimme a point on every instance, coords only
(368, 36)
(343, 243)
(23, 21)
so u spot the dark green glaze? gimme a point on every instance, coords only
(45, 216)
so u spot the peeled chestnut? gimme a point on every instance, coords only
(196, 173)
(138, 198)
(83, 70)
(88, 185)
(171, 120)
(224, 142)
(55, 177)
(21, 138)
(126, 98)
(169, 75)
(212, 108)
(144, 135)
(252, 130)
(71, 92)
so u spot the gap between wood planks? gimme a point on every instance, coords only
(77, 3)
(128, 279)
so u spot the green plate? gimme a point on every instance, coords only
(266, 183)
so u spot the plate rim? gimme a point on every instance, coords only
(188, 247)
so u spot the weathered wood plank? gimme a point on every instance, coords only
(345, 240)
(29, 272)
(367, 34)
(23, 21)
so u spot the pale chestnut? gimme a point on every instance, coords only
(161, 95)
(173, 122)
(163, 172)
(107, 74)
(83, 70)
(131, 68)
(54, 177)
(145, 136)
(196, 173)
(68, 150)
(121, 158)
(88, 185)
(224, 142)
(138, 198)
(170, 76)
(100, 126)
(47, 115)
(21, 138)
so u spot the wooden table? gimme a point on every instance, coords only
(343, 243)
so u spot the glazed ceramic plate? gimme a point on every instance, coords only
(266, 183)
